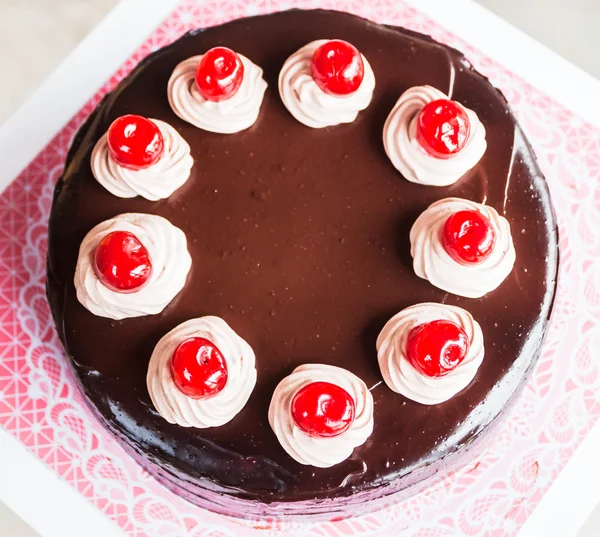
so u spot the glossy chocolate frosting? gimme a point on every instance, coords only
(299, 240)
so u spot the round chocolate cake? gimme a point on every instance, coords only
(299, 238)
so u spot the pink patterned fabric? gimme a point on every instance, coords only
(493, 496)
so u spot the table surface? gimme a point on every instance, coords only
(56, 27)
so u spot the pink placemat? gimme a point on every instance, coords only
(491, 496)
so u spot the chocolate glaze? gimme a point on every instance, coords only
(299, 240)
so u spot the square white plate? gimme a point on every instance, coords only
(54, 508)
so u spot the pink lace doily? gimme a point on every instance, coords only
(493, 496)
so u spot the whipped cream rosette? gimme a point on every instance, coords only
(320, 413)
(233, 102)
(456, 135)
(430, 352)
(143, 265)
(462, 247)
(201, 373)
(154, 182)
(309, 100)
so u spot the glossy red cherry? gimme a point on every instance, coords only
(436, 348)
(468, 237)
(198, 368)
(122, 262)
(135, 142)
(219, 74)
(443, 128)
(323, 409)
(337, 67)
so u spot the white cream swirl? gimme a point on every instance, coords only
(433, 263)
(407, 154)
(400, 375)
(171, 262)
(312, 450)
(308, 103)
(176, 407)
(235, 114)
(156, 182)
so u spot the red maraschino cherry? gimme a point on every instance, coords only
(337, 67)
(437, 347)
(135, 142)
(122, 262)
(198, 368)
(323, 409)
(468, 237)
(219, 74)
(443, 128)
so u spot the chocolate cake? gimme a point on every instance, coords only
(299, 238)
